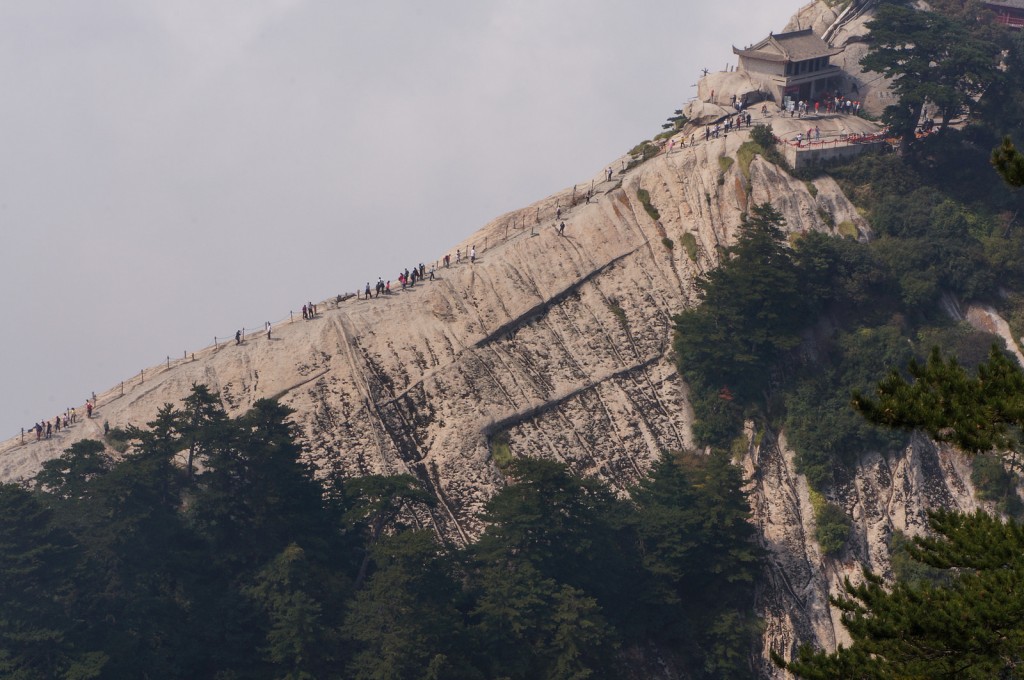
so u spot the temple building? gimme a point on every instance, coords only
(1008, 12)
(792, 65)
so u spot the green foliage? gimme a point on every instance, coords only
(822, 427)
(968, 627)
(970, 346)
(405, 619)
(745, 155)
(824, 214)
(724, 163)
(117, 438)
(301, 640)
(929, 57)
(375, 503)
(668, 243)
(641, 152)
(831, 525)
(501, 452)
(977, 414)
(994, 482)
(39, 601)
(1009, 163)
(698, 550)
(645, 200)
(689, 242)
(546, 574)
(675, 123)
(211, 550)
(762, 135)
(930, 241)
(908, 570)
(752, 312)
(619, 313)
(528, 625)
(70, 475)
(566, 545)
(848, 229)
(1012, 309)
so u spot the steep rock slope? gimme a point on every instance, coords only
(556, 347)
(559, 346)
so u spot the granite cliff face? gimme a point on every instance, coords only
(558, 347)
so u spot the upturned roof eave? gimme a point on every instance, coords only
(770, 56)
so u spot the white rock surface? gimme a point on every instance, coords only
(563, 345)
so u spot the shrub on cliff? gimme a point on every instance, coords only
(752, 312)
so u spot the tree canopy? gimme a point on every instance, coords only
(929, 58)
(211, 549)
(1009, 163)
(968, 624)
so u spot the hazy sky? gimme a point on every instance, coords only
(172, 170)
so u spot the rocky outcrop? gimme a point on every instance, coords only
(881, 496)
(843, 26)
(559, 347)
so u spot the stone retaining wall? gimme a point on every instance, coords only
(816, 154)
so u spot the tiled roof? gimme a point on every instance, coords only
(1012, 4)
(792, 46)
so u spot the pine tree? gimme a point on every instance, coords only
(375, 503)
(1009, 163)
(697, 542)
(68, 477)
(976, 414)
(528, 626)
(968, 627)
(969, 624)
(752, 312)
(558, 523)
(40, 605)
(928, 57)
(302, 641)
(403, 623)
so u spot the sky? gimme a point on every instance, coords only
(173, 171)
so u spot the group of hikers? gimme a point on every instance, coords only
(833, 104)
(812, 133)
(731, 123)
(45, 429)
(409, 277)
(837, 103)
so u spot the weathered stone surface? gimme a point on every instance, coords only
(561, 345)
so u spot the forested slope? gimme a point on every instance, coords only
(703, 300)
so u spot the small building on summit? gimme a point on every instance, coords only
(792, 65)
(1008, 12)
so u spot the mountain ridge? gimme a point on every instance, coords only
(560, 346)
